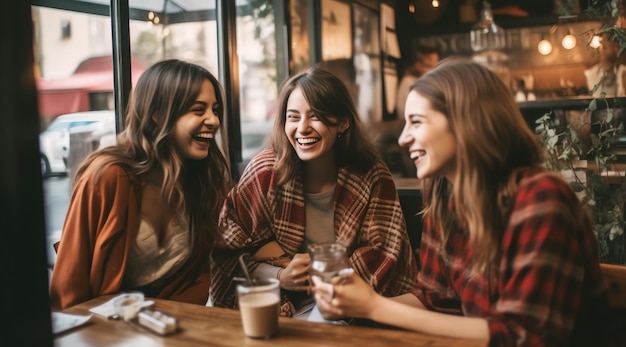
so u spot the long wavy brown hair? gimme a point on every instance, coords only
(329, 98)
(195, 188)
(495, 148)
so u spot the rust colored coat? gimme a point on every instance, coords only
(100, 228)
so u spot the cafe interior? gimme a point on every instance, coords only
(542, 49)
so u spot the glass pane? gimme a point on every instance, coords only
(188, 34)
(336, 31)
(75, 89)
(300, 57)
(367, 65)
(256, 48)
(75, 82)
(186, 31)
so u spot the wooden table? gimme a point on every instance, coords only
(210, 326)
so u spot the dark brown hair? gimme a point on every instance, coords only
(164, 92)
(329, 98)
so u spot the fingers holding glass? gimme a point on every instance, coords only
(295, 276)
(326, 300)
(329, 265)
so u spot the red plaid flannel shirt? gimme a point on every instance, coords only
(548, 290)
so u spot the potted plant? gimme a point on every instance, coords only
(585, 148)
(585, 153)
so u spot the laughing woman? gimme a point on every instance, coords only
(507, 252)
(143, 214)
(320, 181)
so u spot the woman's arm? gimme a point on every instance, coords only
(549, 275)
(293, 272)
(90, 258)
(70, 277)
(391, 312)
(384, 257)
(244, 227)
(352, 297)
(408, 299)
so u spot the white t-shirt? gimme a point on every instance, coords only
(149, 262)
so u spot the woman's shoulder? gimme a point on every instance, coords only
(265, 158)
(374, 177)
(377, 170)
(106, 164)
(106, 170)
(261, 164)
(263, 161)
(542, 186)
(543, 180)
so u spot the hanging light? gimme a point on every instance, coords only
(544, 47)
(569, 40)
(486, 34)
(595, 42)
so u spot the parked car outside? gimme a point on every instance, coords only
(54, 142)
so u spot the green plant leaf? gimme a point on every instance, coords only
(545, 118)
(593, 105)
(577, 187)
(552, 141)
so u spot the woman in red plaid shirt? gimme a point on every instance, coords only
(508, 254)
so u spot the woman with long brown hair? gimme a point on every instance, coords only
(143, 214)
(507, 252)
(320, 181)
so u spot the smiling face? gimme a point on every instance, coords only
(310, 137)
(194, 130)
(427, 135)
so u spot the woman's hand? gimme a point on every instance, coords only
(345, 297)
(295, 275)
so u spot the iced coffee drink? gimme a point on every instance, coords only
(259, 304)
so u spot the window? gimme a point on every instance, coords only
(73, 70)
(75, 78)
(75, 75)
(258, 89)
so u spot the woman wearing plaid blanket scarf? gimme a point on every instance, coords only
(320, 180)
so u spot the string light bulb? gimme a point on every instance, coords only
(435, 3)
(595, 41)
(544, 47)
(569, 40)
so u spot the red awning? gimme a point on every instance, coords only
(71, 94)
